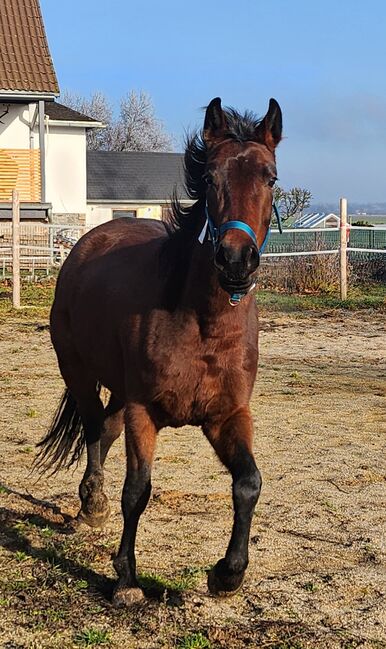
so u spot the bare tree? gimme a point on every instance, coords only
(136, 128)
(292, 202)
(98, 107)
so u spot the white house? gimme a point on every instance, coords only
(42, 143)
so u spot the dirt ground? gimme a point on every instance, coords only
(317, 574)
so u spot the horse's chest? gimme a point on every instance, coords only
(189, 379)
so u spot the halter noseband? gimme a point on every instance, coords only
(216, 233)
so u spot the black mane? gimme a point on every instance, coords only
(185, 221)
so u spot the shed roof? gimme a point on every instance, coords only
(25, 60)
(311, 220)
(59, 112)
(134, 176)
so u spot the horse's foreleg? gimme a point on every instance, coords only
(232, 441)
(140, 442)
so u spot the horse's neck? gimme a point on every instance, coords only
(202, 290)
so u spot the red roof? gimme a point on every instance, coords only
(25, 60)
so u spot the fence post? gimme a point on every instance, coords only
(343, 248)
(15, 250)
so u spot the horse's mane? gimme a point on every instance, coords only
(183, 221)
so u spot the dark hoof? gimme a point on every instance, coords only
(93, 518)
(95, 508)
(222, 582)
(127, 597)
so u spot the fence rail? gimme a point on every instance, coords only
(44, 247)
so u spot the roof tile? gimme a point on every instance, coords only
(134, 176)
(25, 60)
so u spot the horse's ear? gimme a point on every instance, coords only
(270, 128)
(215, 122)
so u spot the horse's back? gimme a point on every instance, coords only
(116, 234)
(115, 253)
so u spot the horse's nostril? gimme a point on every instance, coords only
(221, 258)
(252, 257)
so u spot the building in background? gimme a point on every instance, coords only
(42, 143)
(317, 220)
(43, 149)
(132, 183)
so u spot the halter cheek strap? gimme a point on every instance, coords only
(216, 233)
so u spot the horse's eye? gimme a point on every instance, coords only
(272, 182)
(208, 178)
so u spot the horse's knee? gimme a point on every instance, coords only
(247, 486)
(136, 491)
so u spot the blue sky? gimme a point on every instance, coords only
(323, 61)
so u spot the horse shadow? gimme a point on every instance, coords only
(18, 528)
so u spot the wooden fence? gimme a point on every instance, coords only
(43, 247)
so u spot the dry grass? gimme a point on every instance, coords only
(316, 578)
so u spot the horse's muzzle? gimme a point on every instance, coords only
(236, 265)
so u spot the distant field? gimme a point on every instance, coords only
(374, 219)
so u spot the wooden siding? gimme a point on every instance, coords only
(20, 169)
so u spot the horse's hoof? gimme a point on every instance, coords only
(222, 584)
(94, 518)
(126, 597)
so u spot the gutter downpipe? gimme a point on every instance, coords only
(42, 146)
(32, 126)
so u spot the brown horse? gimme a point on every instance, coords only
(146, 309)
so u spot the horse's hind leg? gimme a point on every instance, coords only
(113, 425)
(94, 508)
(232, 441)
(140, 434)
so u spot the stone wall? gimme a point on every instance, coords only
(68, 219)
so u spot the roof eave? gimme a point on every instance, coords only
(79, 124)
(133, 201)
(26, 96)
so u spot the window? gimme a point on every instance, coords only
(118, 213)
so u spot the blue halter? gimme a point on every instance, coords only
(216, 233)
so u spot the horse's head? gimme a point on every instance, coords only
(240, 174)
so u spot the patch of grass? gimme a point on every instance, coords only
(92, 638)
(194, 641)
(310, 586)
(26, 449)
(5, 601)
(36, 300)
(47, 532)
(81, 584)
(21, 556)
(49, 616)
(370, 554)
(184, 581)
(296, 377)
(32, 413)
(329, 506)
(363, 297)
(4, 490)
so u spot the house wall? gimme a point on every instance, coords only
(19, 163)
(66, 176)
(14, 129)
(97, 214)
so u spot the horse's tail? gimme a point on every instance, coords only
(65, 441)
